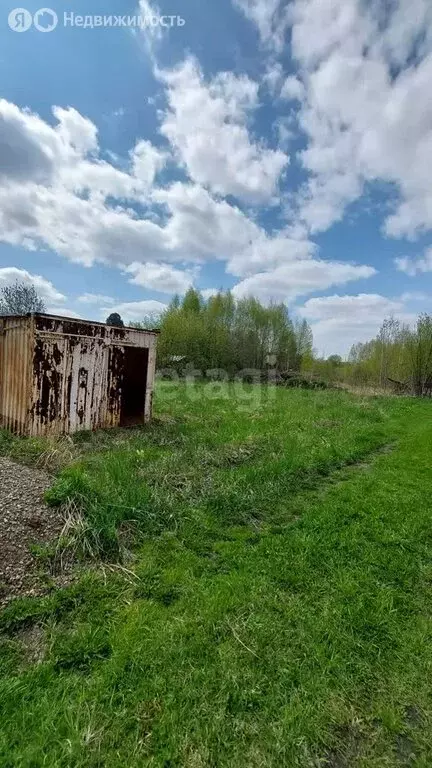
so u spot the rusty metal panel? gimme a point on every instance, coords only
(151, 372)
(15, 357)
(61, 375)
(47, 385)
(115, 360)
(69, 382)
(85, 383)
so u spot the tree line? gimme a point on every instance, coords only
(229, 334)
(398, 359)
(239, 334)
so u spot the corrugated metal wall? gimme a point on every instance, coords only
(62, 376)
(15, 365)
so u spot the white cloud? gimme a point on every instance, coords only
(206, 124)
(161, 277)
(100, 179)
(53, 193)
(83, 230)
(418, 296)
(298, 278)
(45, 289)
(135, 311)
(292, 89)
(413, 266)
(30, 150)
(95, 298)
(147, 161)
(285, 128)
(361, 97)
(152, 34)
(273, 77)
(267, 253)
(208, 293)
(202, 227)
(75, 130)
(338, 322)
(349, 308)
(270, 18)
(63, 312)
(65, 204)
(366, 109)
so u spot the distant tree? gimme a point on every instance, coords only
(304, 343)
(148, 323)
(335, 360)
(398, 358)
(229, 334)
(19, 299)
(115, 319)
(191, 301)
(420, 350)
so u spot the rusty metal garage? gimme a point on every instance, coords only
(61, 375)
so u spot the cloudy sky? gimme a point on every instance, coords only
(280, 149)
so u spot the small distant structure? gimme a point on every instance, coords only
(60, 375)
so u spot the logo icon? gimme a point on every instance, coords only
(45, 20)
(20, 20)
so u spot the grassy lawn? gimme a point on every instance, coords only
(264, 596)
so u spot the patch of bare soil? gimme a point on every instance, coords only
(25, 520)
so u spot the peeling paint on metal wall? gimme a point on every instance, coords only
(73, 371)
(47, 385)
(60, 376)
(86, 378)
(151, 373)
(115, 383)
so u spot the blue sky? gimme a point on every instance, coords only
(282, 150)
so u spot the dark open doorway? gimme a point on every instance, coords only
(134, 386)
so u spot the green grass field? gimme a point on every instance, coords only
(263, 594)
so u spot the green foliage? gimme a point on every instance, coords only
(148, 323)
(24, 450)
(386, 356)
(420, 349)
(399, 359)
(70, 603)
(230, 335)
(398, 353)
(81, 649)
(279, 615)
(297, 380)
(155, 479)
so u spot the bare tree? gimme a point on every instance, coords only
(19, 299)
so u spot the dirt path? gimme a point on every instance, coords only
(24, 520)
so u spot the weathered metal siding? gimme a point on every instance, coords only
(151, 373)
(15, 361)
(77, 374)
(67, 383)
(61, 376)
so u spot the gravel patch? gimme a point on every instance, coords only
(24, 520)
